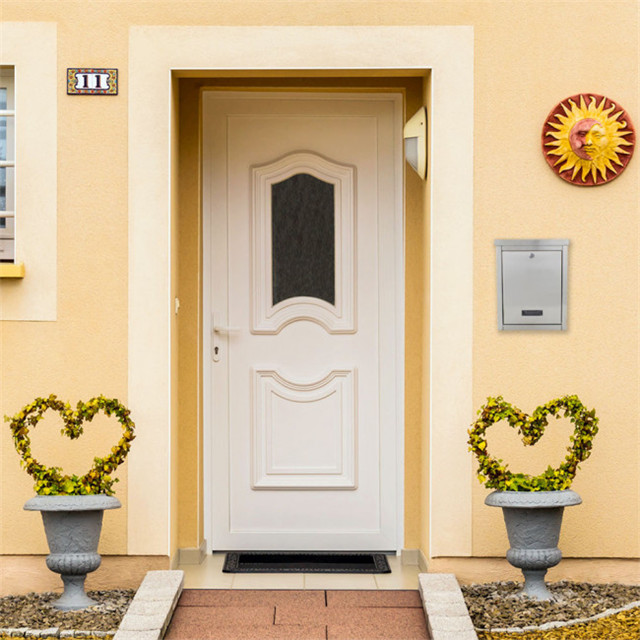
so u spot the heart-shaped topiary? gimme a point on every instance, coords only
(495, 473)
(49, 480)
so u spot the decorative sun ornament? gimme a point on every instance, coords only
(588, 140)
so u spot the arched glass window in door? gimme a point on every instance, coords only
(303, 226)
(303, 239)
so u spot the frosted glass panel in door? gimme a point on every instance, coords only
(303, 238)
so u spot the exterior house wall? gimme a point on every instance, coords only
(527, 57)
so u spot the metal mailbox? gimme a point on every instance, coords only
(532, 284)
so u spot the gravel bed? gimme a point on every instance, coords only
(496, 605)
(35, 611)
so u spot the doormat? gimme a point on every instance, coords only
(309, 562)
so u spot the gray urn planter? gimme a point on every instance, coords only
(72, 525)
(533, 521)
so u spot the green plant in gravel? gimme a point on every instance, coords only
(495, 474)
(50, 480)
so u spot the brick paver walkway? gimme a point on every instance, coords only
(219, 614)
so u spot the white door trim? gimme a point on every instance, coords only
(399, 287)
(156, 51)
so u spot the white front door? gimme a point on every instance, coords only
(302, 201)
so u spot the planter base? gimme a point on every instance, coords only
(534, 564)
(74, 596)
(534, 584)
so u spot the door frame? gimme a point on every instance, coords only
(399, 303)
(158, 56)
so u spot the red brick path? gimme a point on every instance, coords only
(219, 614)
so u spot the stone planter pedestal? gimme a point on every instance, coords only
(72, 525)
(533, 521)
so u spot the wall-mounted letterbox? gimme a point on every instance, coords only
(532, 284)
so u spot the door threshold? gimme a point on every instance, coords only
(209, 575)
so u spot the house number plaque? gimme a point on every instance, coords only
(94, 82)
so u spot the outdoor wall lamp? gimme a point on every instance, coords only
(415, 142)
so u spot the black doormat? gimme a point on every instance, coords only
(305, 562)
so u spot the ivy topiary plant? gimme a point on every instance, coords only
(50, 480)
(533, 505)
(495, 474)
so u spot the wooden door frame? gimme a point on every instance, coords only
(399, 309)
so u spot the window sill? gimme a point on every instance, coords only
(10, 270)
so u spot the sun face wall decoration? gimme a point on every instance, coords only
(588, 139)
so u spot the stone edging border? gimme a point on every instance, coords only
(445, 608)
(147, 618)
(566, 623)
(151, 609)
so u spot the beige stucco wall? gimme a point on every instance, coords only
(528, 56)
(516, 195)
(84, 351)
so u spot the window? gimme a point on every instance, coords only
(7, 166)
(29, 73)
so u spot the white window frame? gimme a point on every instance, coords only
(7, 232)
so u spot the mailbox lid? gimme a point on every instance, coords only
(532, 287)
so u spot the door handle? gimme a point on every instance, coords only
(216, 343)
(220, 329)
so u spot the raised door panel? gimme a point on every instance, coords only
(304, 433)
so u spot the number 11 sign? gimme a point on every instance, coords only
(92, 82)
